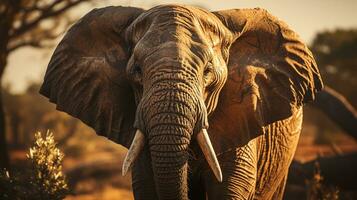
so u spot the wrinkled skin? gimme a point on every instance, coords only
(174, 70)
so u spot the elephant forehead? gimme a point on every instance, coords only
(177, 22)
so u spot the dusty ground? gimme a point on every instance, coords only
(307, 150)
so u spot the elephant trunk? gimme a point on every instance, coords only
(170, 115)
(169, 163)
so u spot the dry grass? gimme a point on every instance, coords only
(317, 190)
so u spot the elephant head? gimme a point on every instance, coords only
(153, 78)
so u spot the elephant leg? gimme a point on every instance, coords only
(142, 177)
(196, 189)
(276, 151)
(239, 174)
(279, 193)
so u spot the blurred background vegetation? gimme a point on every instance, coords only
(93, 164)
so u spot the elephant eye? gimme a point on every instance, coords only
(207, 74)
(208, 69)
(137, 69)
(136, 73)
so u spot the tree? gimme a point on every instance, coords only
(335, 53)
(34, 23)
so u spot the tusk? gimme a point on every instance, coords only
(133, 152)
(207, 149)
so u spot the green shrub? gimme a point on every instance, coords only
(43, 180)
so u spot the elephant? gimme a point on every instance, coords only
(209, 104)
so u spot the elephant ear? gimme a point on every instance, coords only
(271, 74)
(86, 75)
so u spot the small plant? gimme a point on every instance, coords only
(45, 179)
(46, 161)
(317, 190)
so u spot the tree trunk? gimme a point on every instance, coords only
(338, 109)
(6, 19)
(15, 125)
(4, 154)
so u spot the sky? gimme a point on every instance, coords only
(306, 17)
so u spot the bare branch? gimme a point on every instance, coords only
(31, 8)
(42, 40)
(34, 8)
(46, 13)
(25, 43)
(41, 37)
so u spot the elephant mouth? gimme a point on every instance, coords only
(202, 139)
